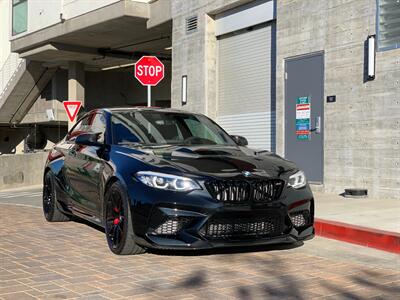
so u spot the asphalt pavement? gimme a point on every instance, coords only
(41, 260)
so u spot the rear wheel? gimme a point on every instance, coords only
(50, 209)
(118, 222)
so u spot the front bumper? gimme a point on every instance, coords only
(200, 222)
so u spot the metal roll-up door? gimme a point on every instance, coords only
(244, 86)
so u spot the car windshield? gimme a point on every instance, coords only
(166, 128)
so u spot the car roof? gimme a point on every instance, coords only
(145, 108)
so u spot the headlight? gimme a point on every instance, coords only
(167, 181)
(297, 180)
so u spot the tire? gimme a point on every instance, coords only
(118, 222)
(50, 210)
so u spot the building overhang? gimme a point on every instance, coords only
(101, 38)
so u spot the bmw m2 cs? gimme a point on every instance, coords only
(168, 179)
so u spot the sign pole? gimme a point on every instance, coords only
(148, 95)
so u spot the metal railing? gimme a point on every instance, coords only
(8, 70)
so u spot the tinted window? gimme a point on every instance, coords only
(81, 127)
(93, 123)
(158, 128)
(98, 125)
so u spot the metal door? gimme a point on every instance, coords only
(245, 99)
(304, 114)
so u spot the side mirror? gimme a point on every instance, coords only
(88, 139)
(240, 140)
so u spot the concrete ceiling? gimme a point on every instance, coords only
(122, 33)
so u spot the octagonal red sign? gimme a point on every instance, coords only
(149, 70)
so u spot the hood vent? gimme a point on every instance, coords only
(191, 24)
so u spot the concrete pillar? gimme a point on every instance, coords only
(76, 84)
(210, 68)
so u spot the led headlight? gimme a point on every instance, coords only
(167, 181)
(297, 180)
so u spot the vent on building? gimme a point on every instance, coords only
(191, 24)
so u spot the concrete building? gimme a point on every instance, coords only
(291, 76)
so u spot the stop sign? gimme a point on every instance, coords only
(149, 70)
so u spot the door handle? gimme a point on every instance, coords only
(317, 128)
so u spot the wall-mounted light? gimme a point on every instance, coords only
(184, 90)
(371, 57)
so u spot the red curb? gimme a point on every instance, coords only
(364, 236)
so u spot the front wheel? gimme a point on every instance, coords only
(118, 222)
(50, 209)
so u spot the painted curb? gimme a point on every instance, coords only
(364, 236)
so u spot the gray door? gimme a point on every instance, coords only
(304, 114)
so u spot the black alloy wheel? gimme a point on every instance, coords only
(118, 223)
(50, 209)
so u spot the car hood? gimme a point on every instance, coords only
(220, 161)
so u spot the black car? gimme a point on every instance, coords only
(168, 179)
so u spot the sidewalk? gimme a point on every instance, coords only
(368, 222)
(382, 214)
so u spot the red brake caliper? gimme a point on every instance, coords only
(116, 220)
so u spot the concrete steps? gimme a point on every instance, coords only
(23, 89)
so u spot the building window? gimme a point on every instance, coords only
(388, 21)
(19, 16)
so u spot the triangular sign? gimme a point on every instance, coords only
(72, 109)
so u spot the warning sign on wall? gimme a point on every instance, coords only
(303, 117)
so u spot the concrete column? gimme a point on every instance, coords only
(211, 68)
(76, 84)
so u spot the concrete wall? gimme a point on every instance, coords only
(114, 88)
(45, 13)
(4, 31)
(362, 129)
(21, 169)
(74, 8)
(121, 88)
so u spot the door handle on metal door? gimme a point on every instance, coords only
(317, 128)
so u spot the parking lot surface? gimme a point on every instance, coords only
(71, 260)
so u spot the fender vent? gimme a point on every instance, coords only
(191, 24)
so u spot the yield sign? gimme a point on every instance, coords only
(72, 109)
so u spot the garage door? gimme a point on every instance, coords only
(244, 86)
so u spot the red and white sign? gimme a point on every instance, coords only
(72, 109)
(149, 70)
(303, 111)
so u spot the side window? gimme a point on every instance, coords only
(81, 127)
(123, 133)
(98, 126)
